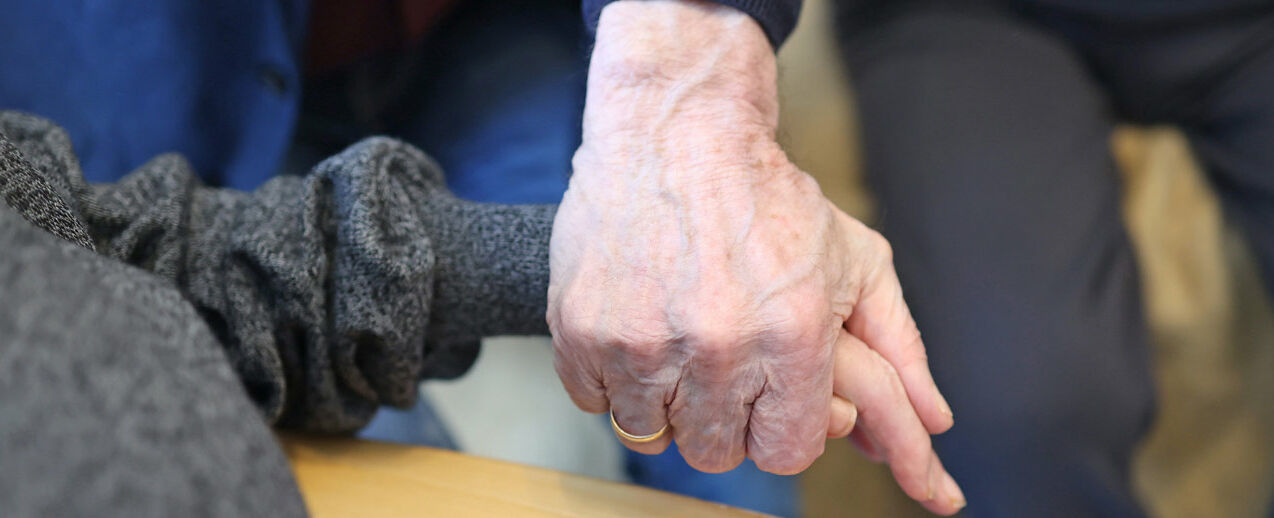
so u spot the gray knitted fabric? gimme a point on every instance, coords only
(327, 295)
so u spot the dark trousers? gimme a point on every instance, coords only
(986, 138)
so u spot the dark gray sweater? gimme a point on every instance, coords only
(151, 329)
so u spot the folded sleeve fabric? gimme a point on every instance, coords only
(776, 17)
(331, 294)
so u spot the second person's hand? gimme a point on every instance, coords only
(702, 282)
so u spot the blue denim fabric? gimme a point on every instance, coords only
(418, 425)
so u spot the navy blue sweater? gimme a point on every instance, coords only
(777, 17)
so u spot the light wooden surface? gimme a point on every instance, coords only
(349, 477)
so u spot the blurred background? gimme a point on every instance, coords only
(1209, 452)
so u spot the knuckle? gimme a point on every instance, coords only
(914, 354)
(789, 461)
(793, 318)
(574, 308)
(804, 320)
(711, 338)
(575, 322)
(812, 328)
(880, 247)
(634, 342)
(802, 181)
(646, 365)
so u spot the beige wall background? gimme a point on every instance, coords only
(1210, 451)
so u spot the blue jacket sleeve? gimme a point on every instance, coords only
(777, 17)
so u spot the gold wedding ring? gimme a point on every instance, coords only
(636, 438)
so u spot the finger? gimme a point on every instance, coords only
(639, 407)
(949, 499)
(582, 384)
(884, 411)
(711, 409)
(843, 413)
(882, 320)
(603, 371)
(866, 445)
(787, 430)
(711, 426)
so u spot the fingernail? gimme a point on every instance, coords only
(944, 407)
(853, 420)
(953, 492)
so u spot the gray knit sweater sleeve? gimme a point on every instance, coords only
(331, 294)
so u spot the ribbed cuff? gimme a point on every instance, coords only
(491, 279)
(777, 17)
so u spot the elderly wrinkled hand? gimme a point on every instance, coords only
(703, 285)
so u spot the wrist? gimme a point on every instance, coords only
(679, 62)
(645, 40)
(669, 163)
